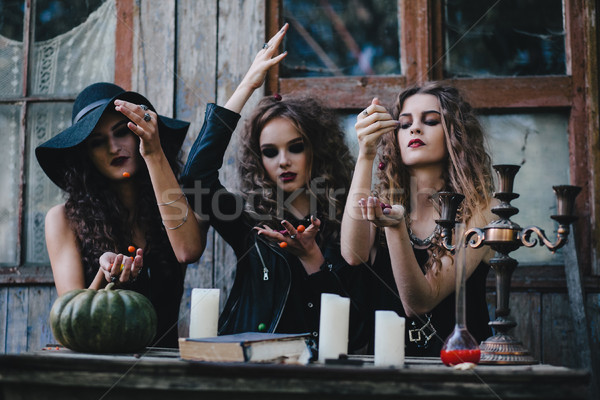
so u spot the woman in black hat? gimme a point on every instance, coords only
(125, 219)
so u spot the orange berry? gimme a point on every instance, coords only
(283, 245)
(131, 249)
(300, 228)
(126, 175)
(132, 258)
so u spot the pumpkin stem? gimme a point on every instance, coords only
(110, 286)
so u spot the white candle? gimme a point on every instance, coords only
(389, 339)
(204, 313)
(333, 327)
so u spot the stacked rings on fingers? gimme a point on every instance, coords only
(144, 107)
(147, 117)
(266, 46)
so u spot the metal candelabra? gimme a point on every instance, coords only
(505, 236)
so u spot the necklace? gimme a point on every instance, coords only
(422, 243)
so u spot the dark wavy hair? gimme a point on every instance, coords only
(468, 165)
(99, 219)
(329, 160)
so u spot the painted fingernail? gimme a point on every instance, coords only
(384, 206)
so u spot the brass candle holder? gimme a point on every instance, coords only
(505, 236)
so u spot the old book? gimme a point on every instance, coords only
(248, 347)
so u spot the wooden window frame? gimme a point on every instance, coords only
(22, 273)
(575, 92)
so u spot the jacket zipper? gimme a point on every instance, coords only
(287, 292)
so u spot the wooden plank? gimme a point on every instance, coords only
(593, 312)
(91, 377)
(590, 27)
(3, 318)
(124, 43)
(518, 92)
(154, 53)
(195, 88)
(16, 320)
(557, 331)
(575, 44)
(241, 35)
(415, 46)
(39, 333)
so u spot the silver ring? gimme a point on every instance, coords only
(266, 46)
(147, 117)
(292, 236)
(144, 107)
(365, 112)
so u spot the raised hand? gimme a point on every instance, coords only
(255, 77)
(144, 123)
(371, 123)
(265, 58)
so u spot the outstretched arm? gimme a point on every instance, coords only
(186, 236)
(358, 234)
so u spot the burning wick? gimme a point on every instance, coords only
(126, 175)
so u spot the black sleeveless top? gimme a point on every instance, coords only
(162, 284)
(384, 295)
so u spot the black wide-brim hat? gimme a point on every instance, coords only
(56, 154)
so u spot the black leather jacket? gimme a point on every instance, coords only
(272, 292)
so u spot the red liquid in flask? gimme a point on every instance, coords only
(454, 357)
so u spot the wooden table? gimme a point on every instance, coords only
(158, 374)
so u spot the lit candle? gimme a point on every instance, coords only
(204, 313)
(333, 327)
(389, 339)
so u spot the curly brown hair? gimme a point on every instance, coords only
(468, 165)
(330, 161)
(99, 219)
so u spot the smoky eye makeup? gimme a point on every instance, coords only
(405, 123)
(269, 152)
(296, 148)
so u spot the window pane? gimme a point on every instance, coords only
(65, 64)
(11, 47)
(9, 182)
(339, 37)
(539, 143)
(44, 120)
(504, 38)
(12, 15)
(54, 17)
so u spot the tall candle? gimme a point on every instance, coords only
(389, 339)
(204, 313)
(333, 326)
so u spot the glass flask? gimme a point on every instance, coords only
(460, 347)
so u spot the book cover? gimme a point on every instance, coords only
(248, 347)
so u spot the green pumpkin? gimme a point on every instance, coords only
(103, 321)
